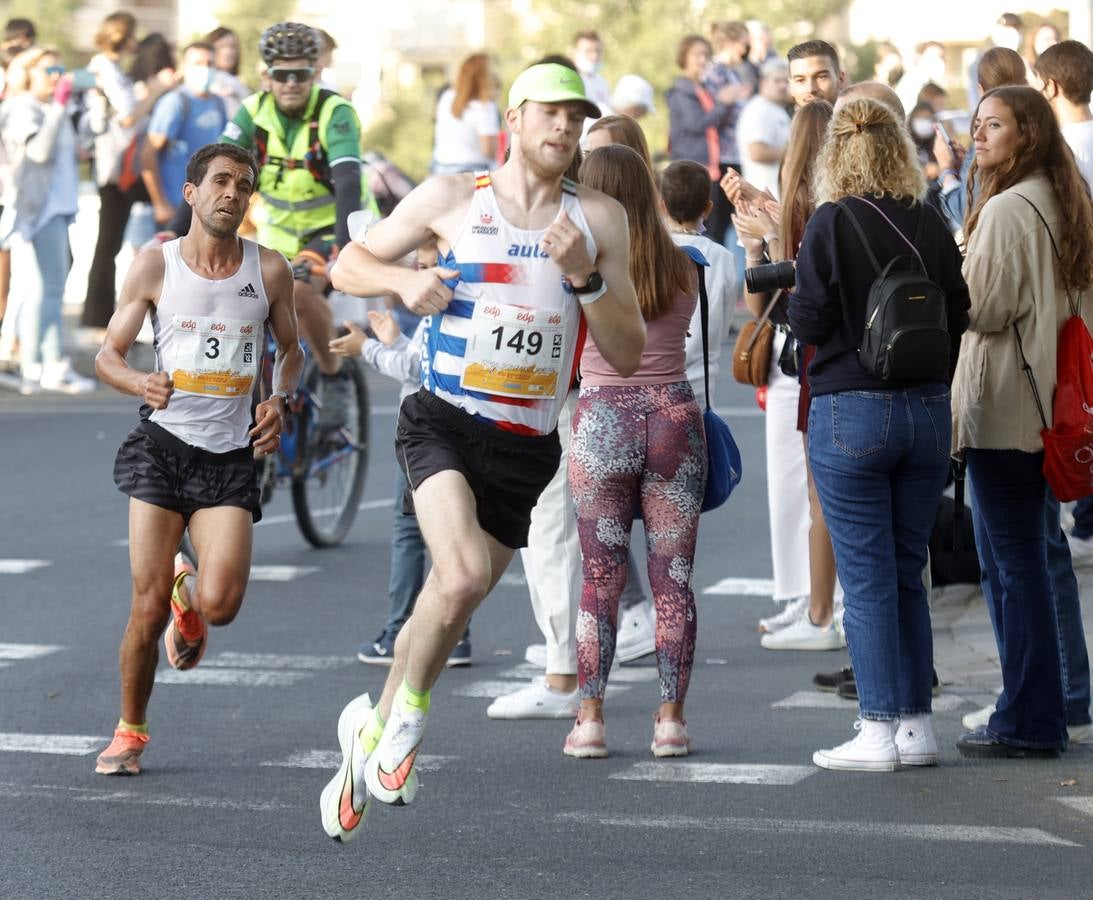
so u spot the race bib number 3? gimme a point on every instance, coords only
(514, 351)
(214, 357)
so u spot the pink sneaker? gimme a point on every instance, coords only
(586, 740)
(670, 737)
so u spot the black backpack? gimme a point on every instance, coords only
(906, 336)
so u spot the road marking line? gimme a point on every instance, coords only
(275, 661)
(825, 700)
(966, 834)
(291, 517)
(231, 677)
(624, 674)
(332, 759)
(22, 566)
(513, 579)
(27, 651)
(1083, 805)
(742, 587)
(92, 795)
(58, 744)
(715, 773)
(494, 689)
(280, 573)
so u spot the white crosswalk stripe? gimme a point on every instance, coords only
(491, 690)
(623, 674)
(22, 566)
(715, 773)
(823, 700)
(27, 651)
(1083, 805)
(742, 587)
(58, 744)
(229, 659)
(231, 677)
(842, 830)
(331, 759)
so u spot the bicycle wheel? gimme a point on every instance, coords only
(327, 487)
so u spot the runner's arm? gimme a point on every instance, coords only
(615, 318)
(138, 295)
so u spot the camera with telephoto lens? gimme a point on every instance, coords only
(770, 277)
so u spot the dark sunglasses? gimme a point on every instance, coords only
(55, 70)
(282, 75)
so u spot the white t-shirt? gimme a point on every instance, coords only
(1079, 135)
(721, 290)
(766, 122)
(457, 144)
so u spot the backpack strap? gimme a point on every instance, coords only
(1074, 310)
(861, 234)
(318, 163)
(903, 237)
(704, 311)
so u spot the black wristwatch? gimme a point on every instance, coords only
(593, 284)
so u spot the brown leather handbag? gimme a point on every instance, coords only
(751, 354)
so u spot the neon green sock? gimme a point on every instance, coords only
(408, 698)
(136, 729)
(372, 731)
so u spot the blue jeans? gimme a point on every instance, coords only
(407, 561)
(40, 313)
(879, 460)
(1073, 656)
(1083, 518)
(1009, 498)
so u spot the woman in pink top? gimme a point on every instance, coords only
(638, 445)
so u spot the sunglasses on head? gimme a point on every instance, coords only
(283, 75)
(55, 70)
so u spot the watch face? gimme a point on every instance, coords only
(594, 283)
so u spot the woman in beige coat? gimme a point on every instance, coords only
(1029, 243)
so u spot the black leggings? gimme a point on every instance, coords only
(114, 208)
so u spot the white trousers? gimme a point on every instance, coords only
(787, 484)
(552, 560)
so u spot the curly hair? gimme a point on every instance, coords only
(658, 268)
(868, 152)
(1041, 149)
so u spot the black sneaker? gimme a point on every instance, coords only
(848, 690)
(334, 397)
(381, 652)
(830, 681)
(935, 687)
(461, 654)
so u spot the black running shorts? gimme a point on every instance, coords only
(506, 472)
(155, 466)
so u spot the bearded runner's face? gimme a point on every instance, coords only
(548, 135)
(222, 198)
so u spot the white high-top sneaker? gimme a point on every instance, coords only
(916, 742)
(872, 750)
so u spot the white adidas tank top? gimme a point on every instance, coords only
(505, 348)
(208, 338)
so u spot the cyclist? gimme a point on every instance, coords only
(307, 143)
(190, 461)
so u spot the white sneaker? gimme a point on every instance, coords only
(1080, 734)
(973, 721)
(803, 635)
(916, 742)
(536, 655)
(389, 771)
(872, 750)
(637, 633)
(1081, 550)
(536, 701)
(344, 801)
(60, 376)
(791, 612)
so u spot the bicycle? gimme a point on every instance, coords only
(325, 467)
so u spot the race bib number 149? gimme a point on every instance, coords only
(514, 351)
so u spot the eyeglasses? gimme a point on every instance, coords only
(55, 70)
(282, 75)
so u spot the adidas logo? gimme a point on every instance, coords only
(249, 292)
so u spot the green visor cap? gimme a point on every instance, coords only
(551, 83)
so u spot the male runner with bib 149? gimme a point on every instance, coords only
(190, 461)
(528, 261)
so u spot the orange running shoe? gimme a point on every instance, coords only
(186, 634)
(122, 757)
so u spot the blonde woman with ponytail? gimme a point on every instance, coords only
(878, 449)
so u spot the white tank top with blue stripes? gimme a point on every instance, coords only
(505, 349)
(208, 338)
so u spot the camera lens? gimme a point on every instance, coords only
(770, 277)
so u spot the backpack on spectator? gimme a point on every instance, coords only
(906, 336)
(1068, 443)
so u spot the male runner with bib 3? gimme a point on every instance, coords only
(190, 461)
(529, 260)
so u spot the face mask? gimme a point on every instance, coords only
(585, 67)
(922, 129)
(198, 79)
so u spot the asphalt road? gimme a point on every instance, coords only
(227, 805)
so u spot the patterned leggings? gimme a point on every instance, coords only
(637, 448)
